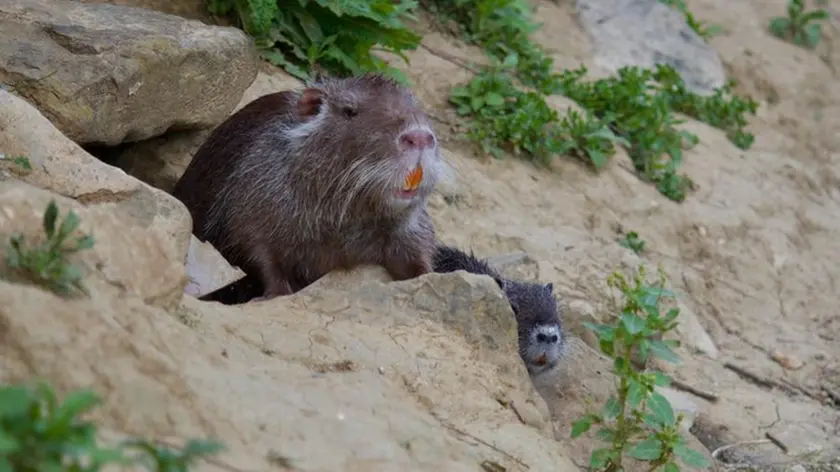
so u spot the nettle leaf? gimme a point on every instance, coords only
(691, 457)
(661, 350)
(647, 450)
(660, 408)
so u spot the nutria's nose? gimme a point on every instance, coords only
(417, 139)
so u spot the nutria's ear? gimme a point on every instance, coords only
(549, 287)
(310, 102)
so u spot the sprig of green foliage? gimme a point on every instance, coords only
(801, 27)
(699, 27)
(22, 162)
(631, 109)
(338, 37)
(38, 433)
(505, 117)
(633, 242)
(637, 421)
(46, 263)
(502, 28)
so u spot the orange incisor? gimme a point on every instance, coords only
(412, 181)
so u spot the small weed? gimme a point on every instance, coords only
(506, 117)
(45, 263)
(637, 421)
(338, 37)
(699, 27)
(633, 242)
(801, 27)
(39, 433)
(589, 138)
(21, 161)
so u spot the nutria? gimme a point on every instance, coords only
(541, 337)
(299, 183)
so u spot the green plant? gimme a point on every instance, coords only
(505, 117)
(698, 26)
(637, 421)
(46, 263)
(503, 29)
(337, 36)
(802, 27)
(633, 242)
(20, 161)
(589, 138)
(38, 433)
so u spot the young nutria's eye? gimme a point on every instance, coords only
(349, 111)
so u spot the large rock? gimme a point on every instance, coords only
(418, 375)
(648, 32)
(162, 161)
(107, 74)
(60, 165)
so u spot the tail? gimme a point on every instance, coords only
(450, 259)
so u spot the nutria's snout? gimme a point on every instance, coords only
(418, 163)
(544, 348)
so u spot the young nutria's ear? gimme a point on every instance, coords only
(549, 287)
(310, 102)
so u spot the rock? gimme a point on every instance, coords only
(414, 393)
(124, 255)
(107, 74)
(680, 403)
(207, 270)
(648, 32)
(161, 161)
(787, 361)
(60, 165)
(693, 334)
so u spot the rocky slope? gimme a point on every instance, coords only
(422, 374)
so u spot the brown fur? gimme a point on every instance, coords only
(299, 183)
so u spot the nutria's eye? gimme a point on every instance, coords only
(349, 111)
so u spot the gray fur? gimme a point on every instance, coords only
(538, 320)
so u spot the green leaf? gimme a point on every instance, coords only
(70, 223)
(661, 350)
(632, 323)
(604, 331)
(599, 458)
(611, 408)
(8, 444)
(494, 99)
(691, 457)
(671, 467)
(14, 401)
(580, 427)
(605, 434)
(660, 408)
(50, 215)
(647, 450)
(636, 393)
(75, 404)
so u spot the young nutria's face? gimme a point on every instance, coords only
(380, 141)
(541, 336)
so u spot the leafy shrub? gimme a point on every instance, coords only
(698, 26)
(40, 434)
(337, 36)
(802, 27)
(637, 421)
(46, 263)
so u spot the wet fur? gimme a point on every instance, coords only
(292, 186)
(533, 304)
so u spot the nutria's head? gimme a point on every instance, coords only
(371, 139)
(542, 340)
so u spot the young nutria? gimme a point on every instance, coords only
(541, 337)
(299, 183)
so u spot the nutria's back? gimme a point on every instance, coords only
(299, 183)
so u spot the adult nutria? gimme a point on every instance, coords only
(541, 337)
(299, 183)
